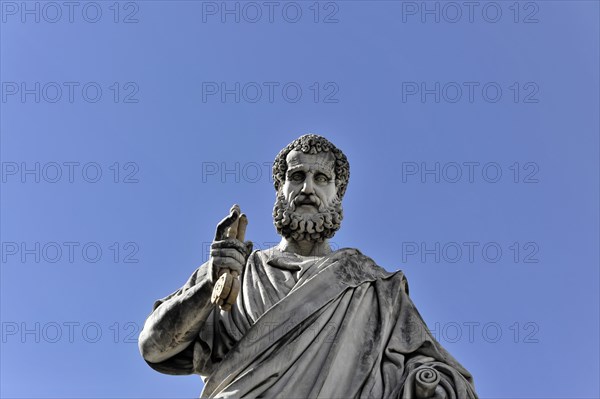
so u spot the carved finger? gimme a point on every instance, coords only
(225, 223)
(233, 253)
(230, 243)
(232, 231)
(243, 223)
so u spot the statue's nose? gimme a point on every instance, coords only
(308, 188)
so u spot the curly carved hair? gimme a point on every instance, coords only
(313, 144)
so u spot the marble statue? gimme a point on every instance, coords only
(299, 320)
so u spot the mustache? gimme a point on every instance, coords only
(303, 199)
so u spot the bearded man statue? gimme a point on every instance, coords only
(299, 320)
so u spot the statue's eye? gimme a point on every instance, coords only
(321, 178)
(297, 176)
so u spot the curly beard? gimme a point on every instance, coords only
(315, 227)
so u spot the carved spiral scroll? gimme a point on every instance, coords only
(426, 380)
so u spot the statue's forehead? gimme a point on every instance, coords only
(321, 160)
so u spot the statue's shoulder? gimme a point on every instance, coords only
(367, 262)
(356, 255)
(263, 255)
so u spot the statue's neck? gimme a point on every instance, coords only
(305, 248)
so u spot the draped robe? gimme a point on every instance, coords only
(337, 326)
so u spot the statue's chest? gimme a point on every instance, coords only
(271, 281)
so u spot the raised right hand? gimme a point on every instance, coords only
(228, 255)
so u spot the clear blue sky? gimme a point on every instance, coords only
(503, 267)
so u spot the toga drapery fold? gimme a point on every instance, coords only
(337, 326)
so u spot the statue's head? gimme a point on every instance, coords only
(310, 176)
